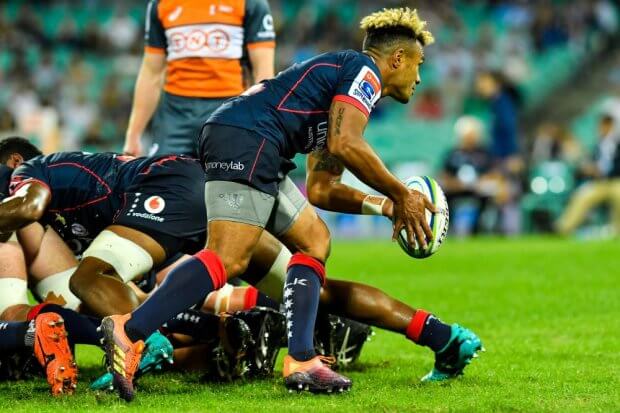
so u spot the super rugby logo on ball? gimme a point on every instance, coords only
(154, 204)
(438, 222)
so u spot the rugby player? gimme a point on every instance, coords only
(320, 106)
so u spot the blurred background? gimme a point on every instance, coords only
(516, 115)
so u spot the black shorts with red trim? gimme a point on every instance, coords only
(166, 202)
(239, 155)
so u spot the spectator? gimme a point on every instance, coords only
(603, 187)
(504, 100)
(555, 143)
(468, 175)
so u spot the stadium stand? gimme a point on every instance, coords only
(69, 68)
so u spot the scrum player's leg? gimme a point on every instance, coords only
(50, 264)
(45, 334)
(117, 255)
(14, 304)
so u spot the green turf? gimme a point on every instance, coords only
(548, 312)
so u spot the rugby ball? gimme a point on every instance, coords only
(438, 222)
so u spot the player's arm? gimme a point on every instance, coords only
(261, 59)
(260, 39)
(346, 142)
(26, 206)
(326, 191)
(145, 99)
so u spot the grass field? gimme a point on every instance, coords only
(548, 312)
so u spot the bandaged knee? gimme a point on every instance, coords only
(273, 282)
(55, 288)
(128, 259)
(219, 300)
(13, 291)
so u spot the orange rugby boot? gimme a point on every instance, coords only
(51, 349)
(122, 355)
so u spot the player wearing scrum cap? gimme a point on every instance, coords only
(320, 106)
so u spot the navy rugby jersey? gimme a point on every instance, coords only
(292, 109)
(86, 190)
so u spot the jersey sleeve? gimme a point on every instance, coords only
(258, 25)
(31, 171)
(359, 85)
(154, 33)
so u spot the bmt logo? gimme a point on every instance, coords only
(216, 40)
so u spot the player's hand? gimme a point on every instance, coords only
(410, 214)
(133, 147)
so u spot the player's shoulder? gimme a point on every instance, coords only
(354, 61)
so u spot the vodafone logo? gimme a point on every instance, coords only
(154, 204)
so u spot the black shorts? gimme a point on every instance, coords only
(238, 155)
(166, 202)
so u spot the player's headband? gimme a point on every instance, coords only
(5, 179)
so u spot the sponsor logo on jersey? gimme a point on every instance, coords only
(78, 230)
(175, 13)
(267, 32)
(225, 166)
(147, 216)
(369, 85)
(154, 204)
(205, 40)
(366, 88)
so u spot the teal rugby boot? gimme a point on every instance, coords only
(450, 361)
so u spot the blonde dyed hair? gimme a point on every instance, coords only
(398, 19)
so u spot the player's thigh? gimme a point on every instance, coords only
(53, 256)
(12, 261)
(237, 215)
(13, 282)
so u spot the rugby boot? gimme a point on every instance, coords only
(157, 353)
(313, 375)
(51, 349)
(341, 338)
(122, 355)
(228, 350)
(268, 328)
(450, 361)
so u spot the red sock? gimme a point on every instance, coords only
(250, 299)
(427, 330)
(416, 325)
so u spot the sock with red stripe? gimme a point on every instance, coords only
(254, 298)
(427, 330)
(301, 302)
(185, 286)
